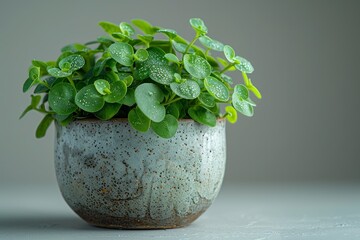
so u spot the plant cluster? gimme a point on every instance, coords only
(152, 82)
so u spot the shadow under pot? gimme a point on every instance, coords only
(116, 177)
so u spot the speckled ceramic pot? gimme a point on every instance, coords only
(113, 176)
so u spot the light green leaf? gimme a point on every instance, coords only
(122, 37)
(141, 55)
(172, 58)
(89, 100)
(34, 78)
(243, 65)
(167, 127)
(144, 26)
(202, 115)
(122, 53)
(44, 125)
(197, 66)
(109, 27)
(148, 97)
(211, 43)
(127, 29)
(55, 72)
(138, 120)
(181, 47)
(199, 26)
(242, 106)
(231, 114)
(102, 86)
(217, 89)
(146, 40)
(187, 90)
(229, 53)
(241, 91)
(224, 63)
(61, 98)
(108, 111)
(75, 47)
(118, 91)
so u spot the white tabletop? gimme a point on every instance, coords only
(261, 212)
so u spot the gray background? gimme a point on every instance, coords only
(306, 58)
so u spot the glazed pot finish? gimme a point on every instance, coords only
(114, 176)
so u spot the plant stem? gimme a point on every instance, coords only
(172, 101)
(189, 45)
(71, 82)
(227, 67)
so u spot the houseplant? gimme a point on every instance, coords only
(140, 134)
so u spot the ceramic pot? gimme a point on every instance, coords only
(116, 177)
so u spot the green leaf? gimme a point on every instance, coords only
(42, 65)
(174, 110)
(128, 80)
(41, 88)
(202, 115)
(55, 72)
(108, 111)
(217, 89)
(138, 120)
(172, 58)
(211, 43)
(148, 97)
(43, 126)
(250, 86)
(146, 40)
(168, 32)
(109, 27)
(187, 90)
(229, 53)
(34, 78)
(121, 37)
(241, 105)
(181, 47)
(163, 74)
(102, 86)
(199, 26)
(227, 79)
(71, 63)
(197, 66)
(122, 53)
(99, 66)
(144, 26)
(231, 115)
(75, 47)
(224, 63)
(207, 100)
(243, 65)
(166, 128)
(241, 91)
(127, 29)
(129, 99)
(61, 98)
(118, 91)
(89, 100)
(141, 55)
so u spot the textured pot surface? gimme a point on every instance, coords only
(113, 176)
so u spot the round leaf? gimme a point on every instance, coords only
(118, 92)
(242, 106)
(172, 58)
(168, 32)
(108, 111)
(243, 65)
(102, 86)
(55, 72)
(89, 100)
(202, 115)
(166, 128)
(138, 120)
(122, 53)
(71, 63)
(129, 99)
(229, 53)
(61, 99)
(187, 90)
(231, 114)
(148, 97)
(141, 55)
(211, 43)
(197, 66)
(217, 89)
(198, 25)
(127, 29)
(241, 91)
(181, 47)
(156, 57)
(163, 74)
(207, 100)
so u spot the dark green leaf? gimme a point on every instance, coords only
(174, 110)
(71, 63)
(187, 90)
(167, 127)
(138, 120)
(118, 91)
(129, 99)
(148, 97)
(108, 111)
(61, 99)
(89, 100)
(197, 66)
(35, 100)
(207, 100)
(202, 115)
(122, 53)
(43, 126)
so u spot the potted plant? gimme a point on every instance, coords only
(140, 136)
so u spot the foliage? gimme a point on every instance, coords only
(151, 81)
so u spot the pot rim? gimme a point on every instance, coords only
(93, 119)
